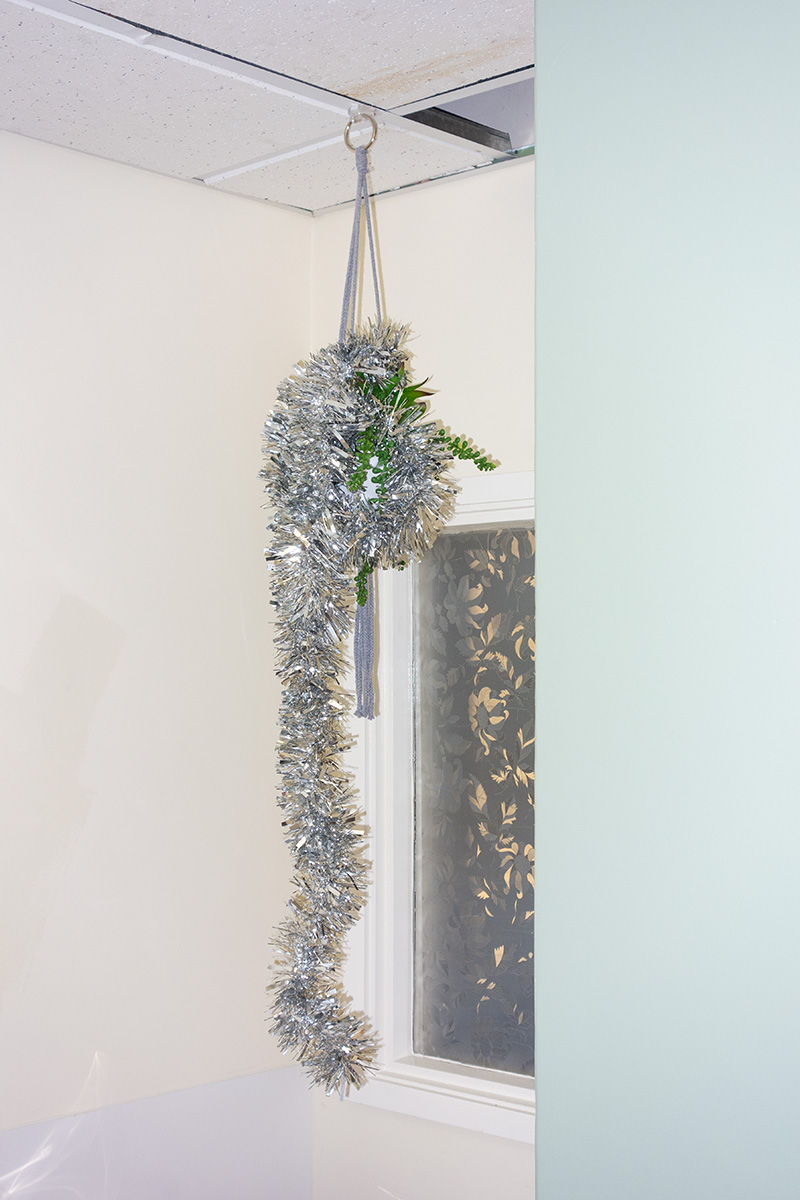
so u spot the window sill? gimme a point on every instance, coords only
(481, 1101)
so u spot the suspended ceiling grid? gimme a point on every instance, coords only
(253, 99)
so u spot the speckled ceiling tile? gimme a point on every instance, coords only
(72, 87)
(382, 52)
(328, 176)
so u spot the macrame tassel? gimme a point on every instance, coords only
(364, 654)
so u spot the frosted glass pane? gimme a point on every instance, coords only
(474, 799)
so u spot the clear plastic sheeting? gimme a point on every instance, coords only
(234, 1138)
(474, 799)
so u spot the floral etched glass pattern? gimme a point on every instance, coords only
(474, 799)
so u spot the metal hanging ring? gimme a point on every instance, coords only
(357, 121)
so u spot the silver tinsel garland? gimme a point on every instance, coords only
(322, 532)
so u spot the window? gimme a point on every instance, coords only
(473, 803)
(424, 1070)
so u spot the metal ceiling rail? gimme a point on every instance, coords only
(233, 68)
(305, 93)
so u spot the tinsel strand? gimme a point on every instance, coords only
(323, 532)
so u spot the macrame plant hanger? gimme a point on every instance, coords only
(364, 633)
(356, 470)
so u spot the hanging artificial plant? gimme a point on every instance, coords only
(356, 475)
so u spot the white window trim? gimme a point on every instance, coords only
(379, 973)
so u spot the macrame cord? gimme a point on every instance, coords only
(364, 635)
(351, 278)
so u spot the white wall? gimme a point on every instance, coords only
(146, 324)
(668, 510)
(364, 1153)
(458, 266)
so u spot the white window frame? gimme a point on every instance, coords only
(379, 972)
